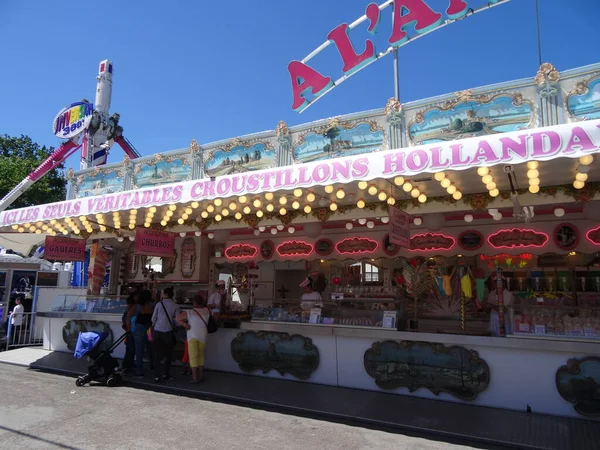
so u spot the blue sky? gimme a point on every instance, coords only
(211, 70)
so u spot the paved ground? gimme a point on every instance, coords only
(45, 411)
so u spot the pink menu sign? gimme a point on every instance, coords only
(154, 243)
(58, 248)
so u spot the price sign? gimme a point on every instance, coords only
(389, 319)
(540, 329)
(589, 332)
(524, 328)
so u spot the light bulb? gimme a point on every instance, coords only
(218, 217)
(407, 187)
(457, 195)
(360, 204)
(256, 232)
(372, 190)
(468, 218)
(333, 207)
(198, 233)
(329, 189)
(445, 183)
(310, 197)
(232, 206)
(273, 230)
(257, 203)
(422, 198)
(581, 177)
(533, 173)
(578, 184)
(259, 213)
(391, 201)
(382, 196)
(362, 221)
(483, 171)
(204, 214)
(283, 211)
(270, 207)
(451, 189)
(340, 194)
(218, 202)
(195, 205)
(418, 221)
(362, 185)
(247, 210)
(498, 216)
(283, 200)
(185, 216)
(559, 212)
(533, 165)
(534, 182)
(180, 221)
(291, 230)
(280, 227)
(586, 160)
(163, 223)
(307, 209)
(269, 196)
(370, 224)
(295, 204)
(494, 193)
(534, 189)
(385, 219)
(349, 226)
(210, 208)
(188, 211)
(490, 186)
(415, 193)
(399, 181)
(297, 192)
(244, 199)
(487, 179)
(225, 212)
(211, 235)
(439, 176)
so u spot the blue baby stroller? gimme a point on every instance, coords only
(105, 368)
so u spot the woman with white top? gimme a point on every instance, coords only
(195, 321)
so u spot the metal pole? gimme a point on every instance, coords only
(396, 76)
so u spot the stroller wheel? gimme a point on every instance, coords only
(112, 381)
(79, 382)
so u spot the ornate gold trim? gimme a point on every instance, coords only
(194, 146)
(282, 129)
(393, 105)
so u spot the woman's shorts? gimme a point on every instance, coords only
(196, 352)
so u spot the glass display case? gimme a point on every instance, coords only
(97, 304)
(354, 312)
(558, 318)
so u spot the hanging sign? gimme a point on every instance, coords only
(356, 245)
(410, 19)
(399, 226)
(241, 251)
(431, 241)
(58, 248)
(516, 238)
(154, 243)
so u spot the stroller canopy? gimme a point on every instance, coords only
(87, 341)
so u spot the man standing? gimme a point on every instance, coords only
(16, 320)
(163, 319)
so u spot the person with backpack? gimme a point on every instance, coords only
(163, 320)
(195, 321)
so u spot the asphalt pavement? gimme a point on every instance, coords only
(46, 411)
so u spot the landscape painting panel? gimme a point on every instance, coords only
(99, 184)
(240, 159)
(162, 172)
(586, 106)
(471, 118)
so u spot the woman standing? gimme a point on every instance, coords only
(139, 320)
(195, 322)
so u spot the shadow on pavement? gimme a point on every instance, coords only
(37, 438)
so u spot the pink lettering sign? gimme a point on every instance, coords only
(154, 243)
(58, 248)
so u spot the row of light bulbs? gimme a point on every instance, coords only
(582, 171)
(446, 183)
(488, 180)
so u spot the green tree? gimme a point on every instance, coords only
(19, 156)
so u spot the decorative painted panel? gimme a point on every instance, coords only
(584, 102)
(239, 156)
(270, 350)
(72, 328)
(455, 370)
(98, 182)
(579, 383)
(471, 115)
(338, 139)
(162, 170)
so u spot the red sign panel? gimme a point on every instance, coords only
(294, 248)
(241, 251)
(399, 227)
(516, 237)
(154, 243)
(59, 248)
(352, 246)
(431, 241)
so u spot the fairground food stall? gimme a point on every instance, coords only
(419, 225)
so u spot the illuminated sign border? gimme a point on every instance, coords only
(251, 248)
(432, 249)
(310, 248)
(521, 230)
(357, 239)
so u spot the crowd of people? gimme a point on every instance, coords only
(155, 327)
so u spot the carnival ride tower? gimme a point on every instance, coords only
(84, 125)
